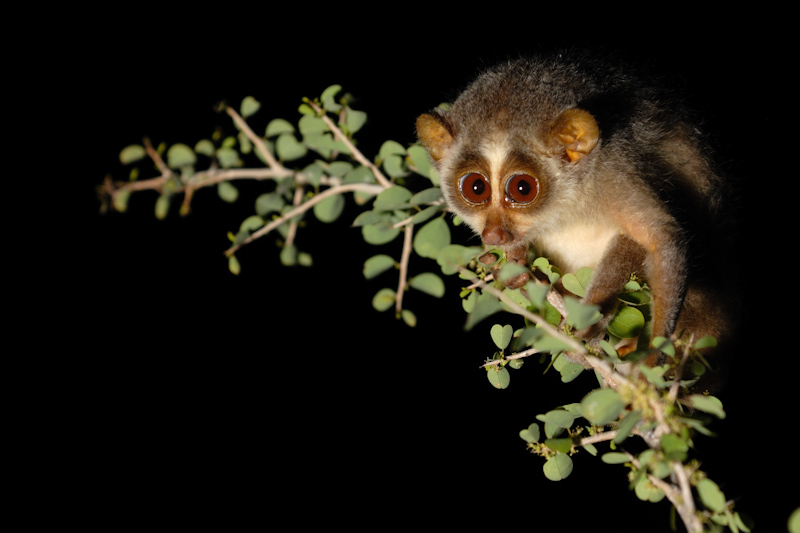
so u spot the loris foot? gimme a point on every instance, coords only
(518, 256)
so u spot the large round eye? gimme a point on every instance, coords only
(474, 188)
(522, 189)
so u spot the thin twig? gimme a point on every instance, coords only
(680, 496)
(355, 152)
(296, 201)
(518, 355)
(598, 437)
(676, 381)
(574, 345)
(302, 208)
(258, 142)
(404, 257)
(156, 157)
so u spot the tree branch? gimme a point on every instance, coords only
(355, 152)
(576, 346)
(258, 142)
(404, 256)
(302, 208)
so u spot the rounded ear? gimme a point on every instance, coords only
(575, 131)
(435, 133)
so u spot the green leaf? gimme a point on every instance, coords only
(571, 283)
(377, 264)
(289, 255)
(548, 343)
(359, 174)
(711, 495)
(368, 218)
(121, 198)
(602, 406)
(626, 425)
(227, 191)
(430, 195)
(501, 335)
(251, 223)
(354, 120)
(269, 203)
(384, 299)
(638, 298)
(228, 157)
(329, 209)
(705, 342)
(485, 306)
(390, 148)
(531, 434)
(324, 144)
(180, 155)
(205, 147)
(233, 265)
(570, 371)
(394, 197)
(455, 255)
(304, 259)
(245, 145)
(559, 445)
(379, 232)
(655, 375)
(428, 283)
(794, 521)
(249, 106)
(131, 154)
(558, 417)
(340, 168)
(584, 276)
(162, 206)
(278, 126)
(328, 99)
(310, 125)
(498, 376)
(646, 491)
(408, 317)
(289, 148)
(627, 323)
(421, 162)
(614, 458)
(426, 214)
(511, 270)
(558, 467)
(581, 315)
(431, 238)
(708, 404)
(675, 447)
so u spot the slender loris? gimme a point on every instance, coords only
(591, 167)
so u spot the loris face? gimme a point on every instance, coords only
(495, 189)
(501, 183)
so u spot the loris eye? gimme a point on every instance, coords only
(522, 189)
(474, 188)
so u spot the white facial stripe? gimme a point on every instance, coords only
(495, 149)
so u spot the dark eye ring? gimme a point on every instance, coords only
(522, 188)
(474, 188)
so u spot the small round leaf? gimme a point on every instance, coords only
(558, 467)
(498, 376)
(602, 406)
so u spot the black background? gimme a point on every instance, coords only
(199, 397)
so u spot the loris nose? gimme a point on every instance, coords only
(495, 236)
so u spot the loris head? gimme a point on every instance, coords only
(499, 152)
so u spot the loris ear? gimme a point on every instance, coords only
(435, 133)
(575, 131)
